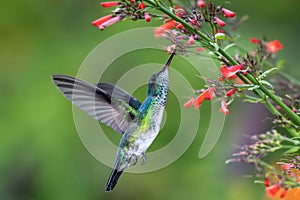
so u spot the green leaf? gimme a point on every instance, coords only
(243, 86)
(215, 45)
(253, 100)
(266, 73)
(266, 83)
(229, 46)
(292, 150)
(254, 87)
(221, 36)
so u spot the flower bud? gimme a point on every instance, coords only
(228, 13)
(147, 17)
(109, 4)
(220, 22)
(201, 3)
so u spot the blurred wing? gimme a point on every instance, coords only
(104, 102)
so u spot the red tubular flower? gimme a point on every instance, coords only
(201, 3)
(287, 166)
(191, 40)
(272, 190)
(228, 13)
(101, 20)
(142, 6)
(210, 94)
(199, 49)
(224, 107)
(189, 103)
(220, 22)
(132, 1)
(179, 26)
(274, 46)
(230, 72)
(109, 4)
(147, 17)
(207, 94)
(230, 92)
(110, 22)
(283, 193)
(267, 182)
(254, 40)
(198, 101)
(166, 26)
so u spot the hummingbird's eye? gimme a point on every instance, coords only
(154, 90)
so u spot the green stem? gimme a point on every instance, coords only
(261, 92)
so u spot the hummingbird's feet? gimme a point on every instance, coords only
(133, 159)
(144, 158)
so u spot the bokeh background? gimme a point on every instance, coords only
(41, 155)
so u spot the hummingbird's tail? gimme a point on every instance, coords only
(113, 179)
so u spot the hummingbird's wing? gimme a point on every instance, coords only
(106, 103)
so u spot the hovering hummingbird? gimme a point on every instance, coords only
(138, 122)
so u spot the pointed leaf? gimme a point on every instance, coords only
(254, 87)
(266, 73)
(292, 150)
(221, 36)
(229, 46)
(267, 83)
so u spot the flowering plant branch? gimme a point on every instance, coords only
(202, 26)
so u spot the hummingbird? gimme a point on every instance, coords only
(138, 122)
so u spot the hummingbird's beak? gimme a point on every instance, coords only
(169, 61)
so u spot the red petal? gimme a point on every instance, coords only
(210, 94)
(287, 166)
(272, 190)
(267, 182)
(228, 13)
(110, 22)
(101, 20)
(201, 97)
(230, 72)
(147, 17)
(167, 26)
(199, 49)
(189, 103)
(230, 92)
(274, 46)
(191, 40)
(254, 40)
(224, 107)
(201, 3)
(220, 22)
(283, 193)
(179, 26)
(142, 6)
(109, 4)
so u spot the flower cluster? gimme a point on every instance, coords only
(131, 9)
(272, 46)
(260, 146)
(285, 185)
(278, 183)
(225, 93)
(198, 18)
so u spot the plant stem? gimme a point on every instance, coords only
(262, 91)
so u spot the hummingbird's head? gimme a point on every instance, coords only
(158, 85)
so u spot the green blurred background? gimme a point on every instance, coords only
(41, 155)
